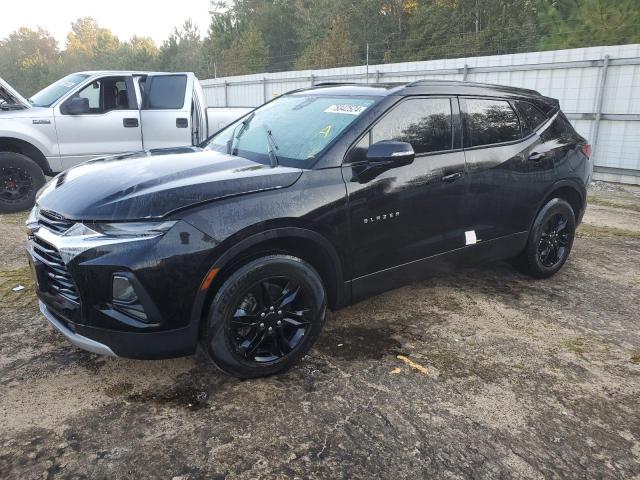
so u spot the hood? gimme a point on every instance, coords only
(10, 99)
(153, 184)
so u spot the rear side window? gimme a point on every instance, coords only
(531, 117)
(165, 92)
(425, 123)
(491, 121)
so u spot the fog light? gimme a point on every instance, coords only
(123, 290)
(125, 298)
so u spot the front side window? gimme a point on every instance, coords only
(491, 121)
(49, 95)
(424, 123)
(296, 128)
(106, 94)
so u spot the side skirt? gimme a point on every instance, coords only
(492, 250)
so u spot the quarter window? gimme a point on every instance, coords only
(531, 117)
(491, 121)
(424, 123)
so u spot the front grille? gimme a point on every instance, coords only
(53, 221)
(58, 279)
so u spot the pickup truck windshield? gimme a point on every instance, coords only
(49, 95)
(296, 128)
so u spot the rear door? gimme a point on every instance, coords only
(166, 110)
(501, 176)
(111, 125)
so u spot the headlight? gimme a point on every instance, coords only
(121, 230)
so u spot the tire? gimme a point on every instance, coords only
(246, 338)
(550, 240)
(20, 179)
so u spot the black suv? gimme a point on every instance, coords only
(319, 198)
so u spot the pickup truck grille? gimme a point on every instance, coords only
(53, 221)
(58, 281)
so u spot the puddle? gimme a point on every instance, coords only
(358, 343)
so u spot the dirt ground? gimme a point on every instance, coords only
(481, 374)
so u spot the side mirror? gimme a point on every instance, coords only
(391, 153)
(76, 106)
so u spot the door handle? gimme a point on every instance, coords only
(452, 177)
(182, 123)
(536, 157)
(130, 122)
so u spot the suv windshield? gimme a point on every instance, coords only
(49, 95)
(294, 128)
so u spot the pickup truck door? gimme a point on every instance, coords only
(166, 110)
(109, 122)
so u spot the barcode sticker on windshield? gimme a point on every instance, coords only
(346, 108)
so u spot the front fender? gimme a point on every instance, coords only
(37, 131)
(229, 255)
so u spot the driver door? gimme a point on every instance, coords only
(407, 213)
(110, 124)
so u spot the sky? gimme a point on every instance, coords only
(148, 18)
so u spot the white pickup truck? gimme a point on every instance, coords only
(87, 115)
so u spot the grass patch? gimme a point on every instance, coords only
(586, 230)
(14, 218)
(16, 301)
(634, 207)
(577, 345)
(635, 358)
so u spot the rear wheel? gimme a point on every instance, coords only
(20, 179)
(265, 317)
(550, 240)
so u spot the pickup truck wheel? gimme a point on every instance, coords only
(550, 240)
(20, 179)
(265, 317)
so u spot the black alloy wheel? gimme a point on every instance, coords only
(20, 179)
(554, 240)
(550, 240)
(265, 316)
(15, 184)
(270, 321)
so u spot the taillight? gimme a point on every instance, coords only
(586, 149)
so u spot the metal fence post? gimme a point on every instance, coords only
(264, 90)
(377, 76)
(226, 94)
(311, 79)
(465, 72)
(599, 102)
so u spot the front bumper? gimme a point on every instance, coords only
(74, 279)
(75, 338)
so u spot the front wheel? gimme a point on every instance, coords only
(265, 317)
(550, 240)
(20, 179)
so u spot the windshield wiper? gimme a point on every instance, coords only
(243, 128)
(273, 146)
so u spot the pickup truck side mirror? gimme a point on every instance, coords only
(390, 153)
(75, 106)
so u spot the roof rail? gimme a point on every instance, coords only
(323, 84)
(427, 82)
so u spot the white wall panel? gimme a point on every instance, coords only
(618, 143)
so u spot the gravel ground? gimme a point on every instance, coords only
(483, 373)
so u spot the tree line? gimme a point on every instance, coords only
(253, 36)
